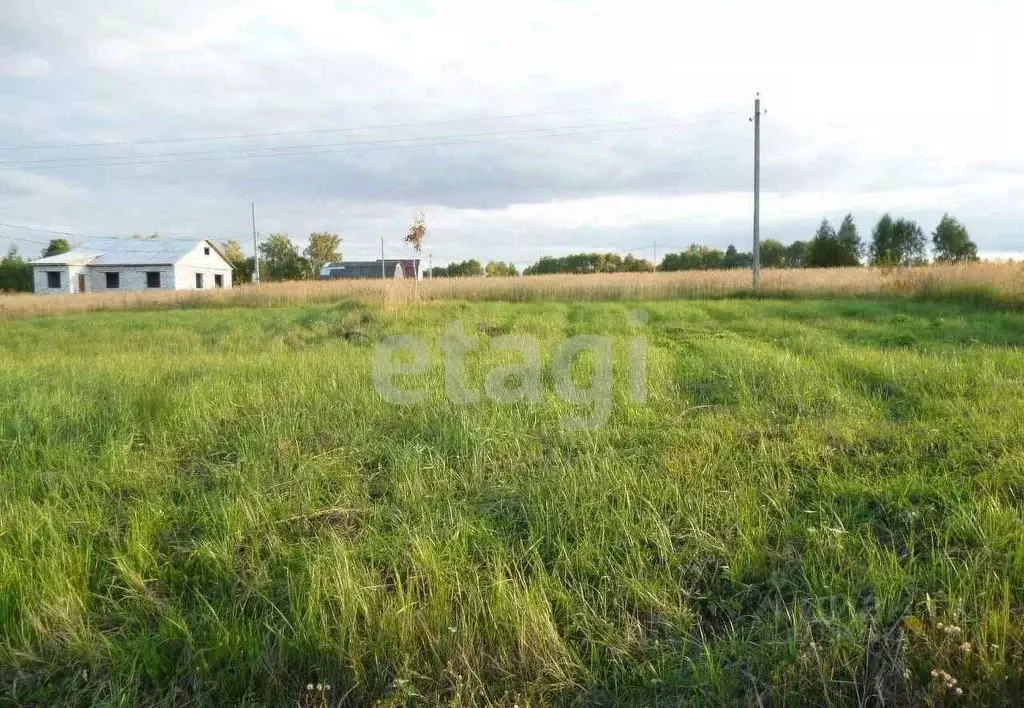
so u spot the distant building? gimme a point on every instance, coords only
(393, 268)
(133, 264)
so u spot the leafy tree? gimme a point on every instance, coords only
(232, 251)
(497, 269)
(797, 254)
(56, 247)
(322, 248)
(952, 242)
(737, 259)
(15, 273)
(820, 251)
(464, 269)
(245, 271)
(850, 247)
(695, 257)
(829, 249)
(897, 243)
(241, 267)
(580, 263)
(281, 259)
(632, 264)
(773, 253)
(417, 233)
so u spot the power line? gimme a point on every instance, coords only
(45, 231)
(336, 148)
(129, 239)
(289, 150)
(52, 232)
(119, 250)
(247, 151)
(8, 237)
(349, 129)
(23, 240)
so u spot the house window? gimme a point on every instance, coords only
(153, 279)
(206, 251)
(199, 280)
(113, 281)
(53, 279)
(218, 280)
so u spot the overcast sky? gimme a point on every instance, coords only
(520, 129)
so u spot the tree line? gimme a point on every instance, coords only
(473, 268)
(280, 258)
(589, 263)
(894, 242)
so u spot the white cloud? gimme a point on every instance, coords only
(25, 66)
(22, 184)
(871, 106)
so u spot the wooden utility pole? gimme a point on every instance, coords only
(757, 192)
(382, 274)
(255, 249)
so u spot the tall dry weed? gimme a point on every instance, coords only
(993, 281)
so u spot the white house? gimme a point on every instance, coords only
(133, 264)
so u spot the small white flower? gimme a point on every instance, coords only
(309, 687)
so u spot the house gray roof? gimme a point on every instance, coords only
(76, 256)
(126, 252)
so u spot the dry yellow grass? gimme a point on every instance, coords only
(1004, 281)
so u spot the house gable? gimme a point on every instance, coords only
(204, 254)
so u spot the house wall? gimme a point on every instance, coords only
(68, 279)
(180, 276)
(185, 276)
(198, 262)
(132, 277)
(39, 279)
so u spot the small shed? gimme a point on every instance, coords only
(393, 268)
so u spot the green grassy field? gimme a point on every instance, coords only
(819, 502)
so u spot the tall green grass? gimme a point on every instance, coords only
(821, 501)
